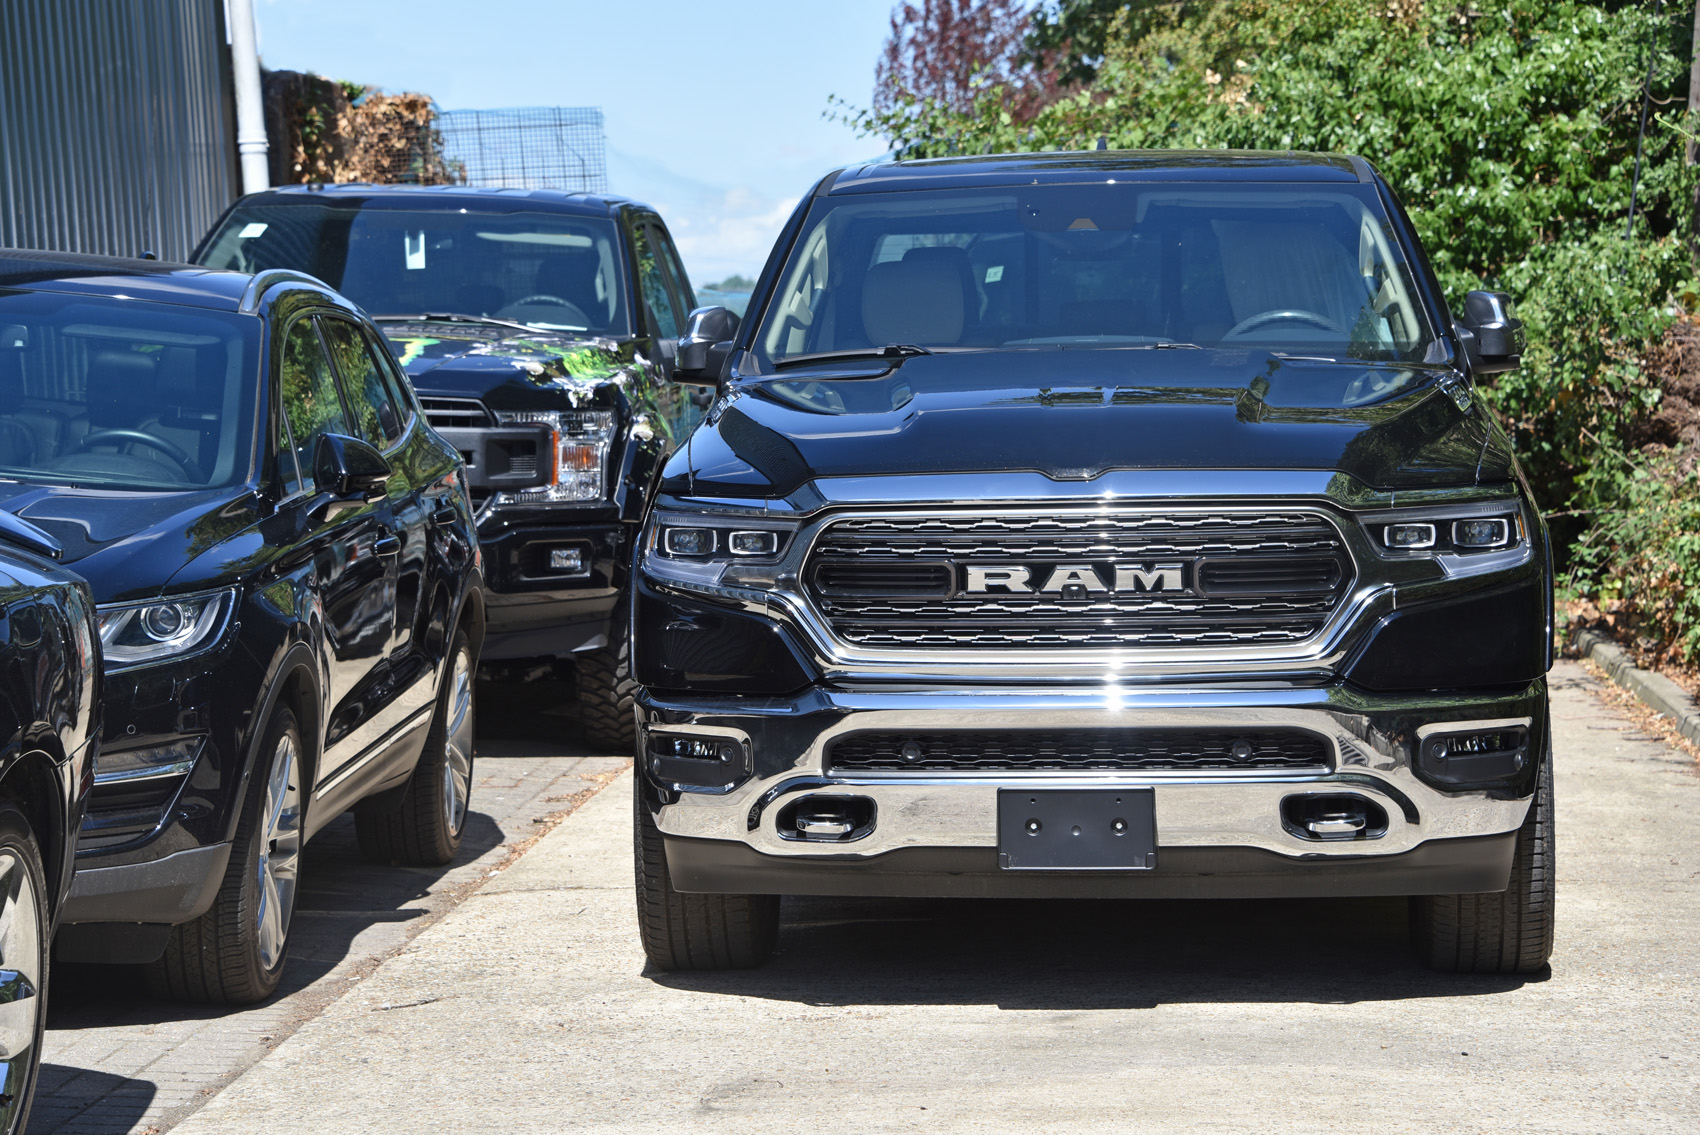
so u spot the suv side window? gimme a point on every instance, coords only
(652, 284)
(375, 415)
(310, 400)
(683, 296)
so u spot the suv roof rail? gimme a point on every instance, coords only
(270, 276)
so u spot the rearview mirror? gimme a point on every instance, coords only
(349, 469)
(1490, 332)
(705, 346)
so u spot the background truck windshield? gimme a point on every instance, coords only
(1284, 267)
(118, 393)
(542, 269)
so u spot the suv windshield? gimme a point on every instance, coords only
(125, 394)
(1291, 268)
(545, 270)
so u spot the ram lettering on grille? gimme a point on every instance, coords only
(1058, 580)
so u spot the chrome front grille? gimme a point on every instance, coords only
(1251, 578)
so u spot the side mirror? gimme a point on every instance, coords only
(349, 469)
(705, 345)
(1490, 333)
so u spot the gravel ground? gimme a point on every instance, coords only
(528, 1008)
(118, 1060)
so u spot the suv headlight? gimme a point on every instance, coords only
(135, 634)
(1465, 539)
(717, 554)
(577, 457)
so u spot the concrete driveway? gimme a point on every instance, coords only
(528, 1009)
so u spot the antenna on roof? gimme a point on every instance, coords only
(1103, 143)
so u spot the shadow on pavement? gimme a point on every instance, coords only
(93, 1101)
(1083, 955)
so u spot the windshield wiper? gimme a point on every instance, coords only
(896, 352)
(451, 317)
(19, 531)
(1169, 347)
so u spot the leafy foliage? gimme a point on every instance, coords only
(1509, 130)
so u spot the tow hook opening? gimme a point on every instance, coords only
(827, 818)
(1333, 816)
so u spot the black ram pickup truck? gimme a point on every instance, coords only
(539, 328)
(1098, 525)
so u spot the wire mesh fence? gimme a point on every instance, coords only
(539, 147)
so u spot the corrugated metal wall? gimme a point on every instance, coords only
(117, 126)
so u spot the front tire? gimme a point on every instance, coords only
(425, 830)
(607, 693)
(1508, 932)
(24, 951)
(703, 932)
(235, 952)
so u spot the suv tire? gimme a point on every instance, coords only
(234, 953)
(606, 692)
(424, 830)
(1508, 932)
(704, 932)
(24, 954)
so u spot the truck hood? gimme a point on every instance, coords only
(1075, 414)
(134, 545)
(506, 368)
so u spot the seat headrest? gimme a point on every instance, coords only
(120, 388)
(913, 301)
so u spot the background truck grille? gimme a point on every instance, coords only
(1075, 749)
(455, 413)
(1252, 578)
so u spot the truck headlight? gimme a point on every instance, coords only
(1465, 539)
(576, 460)
(135, 634)
(706, 552)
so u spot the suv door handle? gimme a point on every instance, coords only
(387, 546)
(445, 516)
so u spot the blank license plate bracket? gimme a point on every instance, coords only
(1077, 829)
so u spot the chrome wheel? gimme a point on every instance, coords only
(21, 959)
(280, 850)
(457, 744)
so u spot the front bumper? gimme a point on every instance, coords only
(535, 610)
(1219, 832)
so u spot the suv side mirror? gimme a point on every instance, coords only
(349, 469)
(1490, 332)
(705, 346)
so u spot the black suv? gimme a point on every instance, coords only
(538, 328)
(49, 718)
(288, 582)
(1112, 524)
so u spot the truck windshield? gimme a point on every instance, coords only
(546, 270)
(125, 394)
(1292, 268)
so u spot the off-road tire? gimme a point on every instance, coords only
(216, 957)
(17, 836)
(607, 693)
(703, 932)
(417, 832)
(1508, 932)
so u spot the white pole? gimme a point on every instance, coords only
(250, 103)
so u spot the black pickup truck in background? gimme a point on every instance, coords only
(539, 329)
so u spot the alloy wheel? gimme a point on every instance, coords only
(280, 851)
(21, 958)
(457, 743)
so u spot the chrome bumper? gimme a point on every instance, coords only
(1370, 742)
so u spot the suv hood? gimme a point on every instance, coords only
(1075, 414)
(132, 545)
(504, 367)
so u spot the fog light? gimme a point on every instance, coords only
(1408, 536)
(566, 559)
(688, 541)
(753, 543)
(1474, 756)
(1481, 533)
(173, 759)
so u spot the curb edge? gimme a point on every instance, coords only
(1664, 696)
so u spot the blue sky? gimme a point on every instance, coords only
(713, 110)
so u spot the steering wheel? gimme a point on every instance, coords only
(573, 313)
(541, 297)
(141, 437)
(1284, 315)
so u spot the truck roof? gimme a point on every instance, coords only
(363, 195)
(1088, 166)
